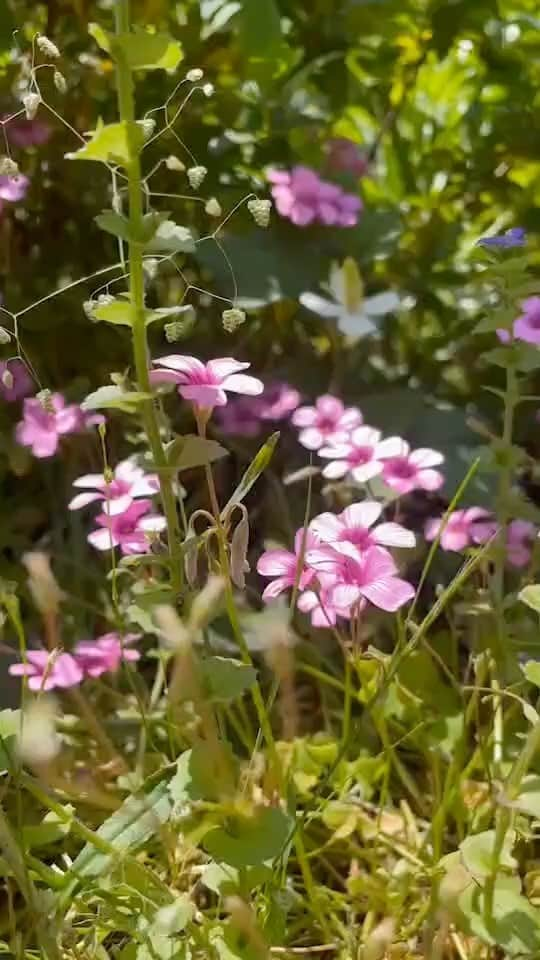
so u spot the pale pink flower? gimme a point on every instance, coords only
(131, 530)
(356, 525)
(45, 422)
(22, 381)
(370, 576)
(320, 604)
(303, 198)
(45, 670)
(206, 384)
(244, 416)
(278, 401)
(328, 422)
(28, 133)
(527, 325)
(406, 471)
(13, 188)
(282, 565)
(464, 528)
(105, 653)
(520, 537)
(361, 455)
(128, 483)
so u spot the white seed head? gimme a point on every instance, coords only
(208, 89)
(60, 81)
(196, 176)
(8, 167)
(260, 211)
(178, 329)
(46, 401)
(31, 103)
(213, 207)
(173, 163)
(5, 336)
(7, 379)
(103, 300)
(195, 75)
(47, 47)
(148, 125)
(232, 319)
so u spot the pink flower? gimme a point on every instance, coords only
(128, 483)
(303, 198)
(463, 529)
(408, 471)
(345, 156)
(359, 576)
(205, 384)
(282, 565)
(28, 133)
(45, 421)
(13, 188)
(45, 671)
(320, 604)
(527, 325)
(328, 422)
(361, 455)
(128, 530)
(105, 653)
(278, 401)
(355, 525)
(244, 416)
(22, 381)
(519, 539)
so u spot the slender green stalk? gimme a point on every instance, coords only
(126, 105)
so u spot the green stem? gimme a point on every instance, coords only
(126, 105)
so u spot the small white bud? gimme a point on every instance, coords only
(8, 167)
(150, 265)
(173, 163)
(103, 300)
(5, 336)
(232, 319)
(31, 103)
(60, 81)
(213, 207)
(148, 125)
(196, 176)
(208, 89)
(195, 75)
(7, 379)
(47, 47)
(260, 211)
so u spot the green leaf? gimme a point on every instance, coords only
(261, 36)
(109, 144)
(118, 312)
(246, 841)
(166, 313)
(225, 679)
(170, 237)
(115, 223)
(195, 777)
(477, 853)
(10, 728)
(133, 824)
(147, 51)
(102, 38)
(531, 669)
(114, 398)
(531, 596)
(50, 830)
(515, 924)
(257, 466)
(174, 917)
(187, 452)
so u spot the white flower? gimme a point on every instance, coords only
(355, 315)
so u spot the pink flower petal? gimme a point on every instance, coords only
(204, 396)
(182, 364)
(242, 383)
(327, 526)
(388, 593)
(275, 588)
(103, 539)
(83, 499)
(336, 469)
(362, 514)
(225, 366)
(430, 479)
(425, 457)
(275, 563)
(394, 535)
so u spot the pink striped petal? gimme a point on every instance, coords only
(182, 364)
(275, 588)
(203, 396)
(388, 593)
(362, 514)
(225, 366)
(394, 535)
(367, 471)
(165, 376)
(275, 563)
(83, 499)
(327, 526)
(103, 539)
(92, 480)
(430, 479)
(336, 469)
(393, 447)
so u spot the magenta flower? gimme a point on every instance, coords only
(345, 156)
(206, 384)
(22, 381)
(244, 416)
(13, 188)
(361, 455)
(520, 537)
(408, 471)
(131, 530)
(464, 528)
(527, 325)
(303, 198)
(328, 422)
(45, 670)
(356, 525)
(128, 483)
(28, 133)
(320, 604)
(105, 653)
(282, 565)
(44, 422)
(278, 401)
(359, 577)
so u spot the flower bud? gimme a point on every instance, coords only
(213, 207)
(174, 163)
(31, 103)
(232, 319)
(208, 89)
(7, 379)
(8, 167)
(47, 47)
(5, 336)
(195, 75)
(196, 176)
(260, 211)
(59, 81)
(147, 125)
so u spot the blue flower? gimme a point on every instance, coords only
(515, 237)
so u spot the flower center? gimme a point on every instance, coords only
(402, 468)
(359, 536)
(360, 455)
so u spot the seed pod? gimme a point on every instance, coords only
(260, 211)
(59, 81)
(148, 125)
(5, 336)
(8, 167)
(31, 103)
(232, 319)
(208, 89)
(213, 207)
(7, 379)
(174, 163)
(195, 75)
(150, 265)
(47, 47)
(239, 548)
(196, 176)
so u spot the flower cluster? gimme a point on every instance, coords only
(474, 526)
(46, 419)
(341, 564)
(90, 658)
(246, 416)
(127, 519)
(303, 198)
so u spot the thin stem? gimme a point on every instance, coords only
(126, 104)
